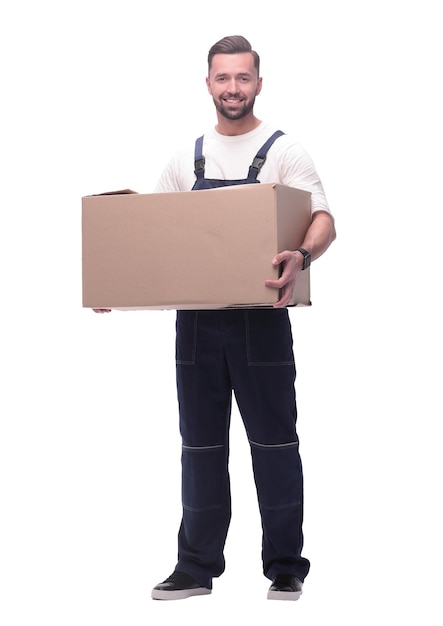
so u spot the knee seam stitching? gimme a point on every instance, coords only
(277, 445)
(192, 448)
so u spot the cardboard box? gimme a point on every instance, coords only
(191, 250)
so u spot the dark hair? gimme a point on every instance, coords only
(234, 44)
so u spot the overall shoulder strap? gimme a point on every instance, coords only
(260, 157)
(199, 159)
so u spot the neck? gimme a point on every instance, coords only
(236, 127)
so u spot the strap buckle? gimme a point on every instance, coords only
(257, 163)
(199, 166)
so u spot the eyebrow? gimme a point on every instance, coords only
(240, 74)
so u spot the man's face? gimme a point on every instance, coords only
(233, 84)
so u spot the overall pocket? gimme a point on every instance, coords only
(186, 337)
(268, 337)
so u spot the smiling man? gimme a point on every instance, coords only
(233, 83)
(245, 352)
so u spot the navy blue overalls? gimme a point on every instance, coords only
(247, 352)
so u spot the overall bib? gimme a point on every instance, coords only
(247, 352)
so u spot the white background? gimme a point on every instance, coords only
(97, 96)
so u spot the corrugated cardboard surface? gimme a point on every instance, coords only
(191, 250)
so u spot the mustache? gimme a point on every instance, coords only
(230, 94)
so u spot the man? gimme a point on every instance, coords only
(247, 352)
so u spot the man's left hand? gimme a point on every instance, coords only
(291, 265)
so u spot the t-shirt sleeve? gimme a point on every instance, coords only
(178, 174)
(298, 170)
(168, 180)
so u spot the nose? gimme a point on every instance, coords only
(232, 86)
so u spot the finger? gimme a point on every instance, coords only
(285, 278)
(280, 257)
(280, 304)
(276, 284)
(284, 301)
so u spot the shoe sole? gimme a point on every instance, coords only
(284, 595)
(181, 594)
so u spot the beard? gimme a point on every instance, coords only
(236, 112)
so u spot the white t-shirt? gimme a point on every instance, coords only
(229, 158)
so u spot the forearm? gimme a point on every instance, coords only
(320, 234)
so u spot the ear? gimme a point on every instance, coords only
(208, 85)
(259, 86)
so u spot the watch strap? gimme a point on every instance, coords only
(306, 257)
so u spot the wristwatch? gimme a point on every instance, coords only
(306, 258)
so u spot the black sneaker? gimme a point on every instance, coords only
(285, 587)
(177, 587)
